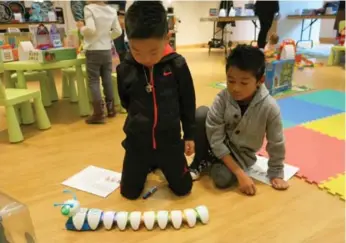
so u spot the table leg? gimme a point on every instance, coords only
(83, 101)
(310, 28)
(26, 112)
(51, 86)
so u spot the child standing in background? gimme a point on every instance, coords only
(101, 27)
(273, 41)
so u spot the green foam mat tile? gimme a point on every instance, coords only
(328, 98)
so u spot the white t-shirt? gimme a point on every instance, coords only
(101, 27)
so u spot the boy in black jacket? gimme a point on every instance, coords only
(156, 88)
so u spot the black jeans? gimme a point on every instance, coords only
(266, 21)
(171, 161)
(219, 172)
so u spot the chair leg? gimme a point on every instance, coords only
(44, 87)
(331, 58)
(337, 57)
(14, 131)
(117, 102)
(43, 122)
(72, 88)
(65, 86)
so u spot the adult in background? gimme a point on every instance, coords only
(265, 11)
(119, 42)
(340, 16)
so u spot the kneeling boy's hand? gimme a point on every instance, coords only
(246, 184)
(189, 148)
(279, 184)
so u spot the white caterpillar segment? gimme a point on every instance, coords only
(121, 218)
(190, 217)
(108, 219)
(149, 219)
(162, 218)
(176, 218)
(203, 214)
(79, 218)
(94, 218)
(135, 219)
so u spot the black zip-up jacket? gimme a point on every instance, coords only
(155, 116)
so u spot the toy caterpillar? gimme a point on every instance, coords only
(83, 219)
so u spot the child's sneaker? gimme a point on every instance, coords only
(202, 167)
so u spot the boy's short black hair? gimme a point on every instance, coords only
(247, 58)
(146, 19)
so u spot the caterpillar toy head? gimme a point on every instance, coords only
(70, 207)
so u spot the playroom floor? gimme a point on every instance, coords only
(32, 172)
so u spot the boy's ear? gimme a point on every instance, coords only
(261, 81)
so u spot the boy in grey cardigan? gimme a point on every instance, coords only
(232, 130)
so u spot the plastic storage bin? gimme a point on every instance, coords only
(15, 222)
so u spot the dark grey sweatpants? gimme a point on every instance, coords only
(219, 172)
(99, 64)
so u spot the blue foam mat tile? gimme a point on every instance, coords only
(299, 111)
(328, 98)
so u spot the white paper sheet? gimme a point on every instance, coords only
(95, 180)
(259, 170)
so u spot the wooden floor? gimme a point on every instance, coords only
(33, 170)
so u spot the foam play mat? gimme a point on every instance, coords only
(318, 156)
(328, 98)
(335, 186)
(333, 126)
(299, 111)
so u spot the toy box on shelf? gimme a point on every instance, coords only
(53, 55)
(279, 73)
(15, 221)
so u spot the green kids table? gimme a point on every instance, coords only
(20, 66)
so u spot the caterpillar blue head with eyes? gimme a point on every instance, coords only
(70, 207)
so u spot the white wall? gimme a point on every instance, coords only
(192, 31)
(289, 28)
(327, 28)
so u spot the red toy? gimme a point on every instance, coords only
(341, 38)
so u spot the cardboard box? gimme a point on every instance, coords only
(279, 75)
(53, 55)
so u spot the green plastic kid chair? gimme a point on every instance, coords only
(117, 102)
(42, 77)
(11, 97)
(337, 51)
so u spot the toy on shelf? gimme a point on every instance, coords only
(341, 38)
(55, 37)
(36, 13)
(83, 219)
(15, 221)
(43, 40)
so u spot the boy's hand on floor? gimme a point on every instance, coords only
(246, 184)
(279, 184)
(189, 148)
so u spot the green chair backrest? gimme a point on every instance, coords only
(2, 87)
(341, 25)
